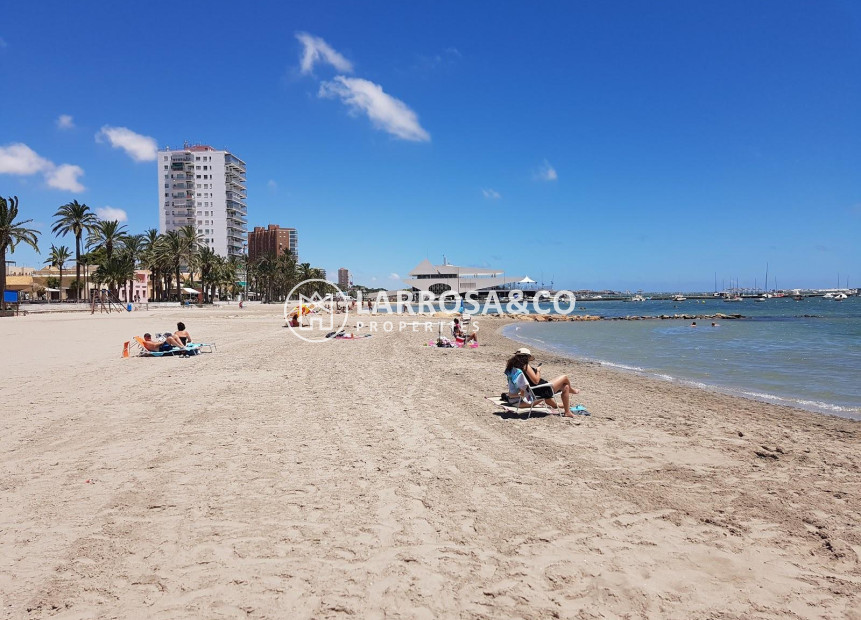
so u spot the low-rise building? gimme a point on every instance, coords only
(438, 279)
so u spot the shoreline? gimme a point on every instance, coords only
(279, 478)
(735, 392)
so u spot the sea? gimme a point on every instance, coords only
(805, 354)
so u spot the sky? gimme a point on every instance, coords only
(660, 146)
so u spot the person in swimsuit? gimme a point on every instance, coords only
(457, 332)
(181, 334)
(519, 371)
(169, 343)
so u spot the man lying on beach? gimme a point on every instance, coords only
(169, 343)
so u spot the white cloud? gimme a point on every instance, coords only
(20, 159)
(65, 177)
(394, 276)
(138, 147)
(317, 50)
(546, 172)
(385, 112)
(272, 185)
(65, 122)
(491, 193)
(111, 213)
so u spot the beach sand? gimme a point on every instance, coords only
(282, 479)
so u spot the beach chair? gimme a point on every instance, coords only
(534, 407)
(460, 341)
(531, 396)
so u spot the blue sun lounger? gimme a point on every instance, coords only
(193, 348)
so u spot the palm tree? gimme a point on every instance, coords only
(192, 242)
(107, 234)
(229, 272)
(11, 234)
(130, 254)
(57, 258)
(306, 272)
(286, 272)
(173, 252)
(87, 259)
(150, 258)
(75, 218)
(208, 262)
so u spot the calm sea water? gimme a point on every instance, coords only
(806, 354)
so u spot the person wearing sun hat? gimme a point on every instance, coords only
(519, 371)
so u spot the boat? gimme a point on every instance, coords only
(679, 297)
(733, 298)
(828, 296)
(636, 298)
(840, 296)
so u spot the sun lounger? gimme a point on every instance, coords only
(190, 349)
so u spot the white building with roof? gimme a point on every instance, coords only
(438, 279)
(205, 187)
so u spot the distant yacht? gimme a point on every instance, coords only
(636, 298)
(679, 297)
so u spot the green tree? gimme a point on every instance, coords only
(57, 258)
(12, 233)
(208, 262)
(130, 254)
(75, 218)
(172, 251)
(151, 259)
(107, 234)
(192, 242)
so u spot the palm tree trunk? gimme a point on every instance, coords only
(178, 288)
(3, 278)
(60, 295)
(78, 267)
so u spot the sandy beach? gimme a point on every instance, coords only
(277, 478)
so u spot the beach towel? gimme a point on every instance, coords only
(190, 349)
(504, 405)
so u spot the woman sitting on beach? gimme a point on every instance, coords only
(519, 371)
(181, 334)
(460, 336)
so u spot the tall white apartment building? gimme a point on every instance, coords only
(205, 187)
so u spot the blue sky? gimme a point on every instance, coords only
(624, 145)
